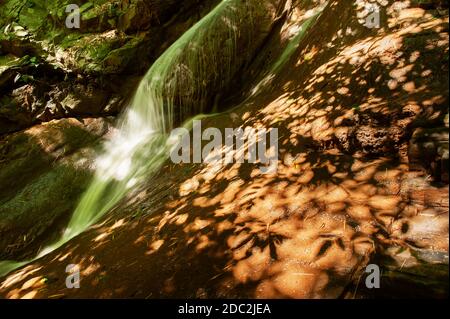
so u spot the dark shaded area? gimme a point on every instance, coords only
(41, 182)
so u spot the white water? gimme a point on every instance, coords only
(207, 51)
(138, 148)
(140, 145)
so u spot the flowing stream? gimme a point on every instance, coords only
(206, 52)
(178, 86)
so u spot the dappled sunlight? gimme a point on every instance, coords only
(343, 192)
(270, 220)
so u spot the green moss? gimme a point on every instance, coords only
(122, 56)
(8, 61)
(101, 50)
(42, 26)
(33, 18)
(70, 40)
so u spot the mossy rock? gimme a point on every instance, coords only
(43, 172)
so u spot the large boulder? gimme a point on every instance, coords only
(91, 70)
(43, 172)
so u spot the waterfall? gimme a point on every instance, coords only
(179, 85)
(172, 90)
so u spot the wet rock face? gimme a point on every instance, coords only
(30, 102)
(206, 62)
(87, 71)
(46, 166)
(143, 14)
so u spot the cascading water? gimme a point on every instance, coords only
(179, 84)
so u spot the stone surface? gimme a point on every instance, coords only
(362, 116)
(87, 71)
(43, 171)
